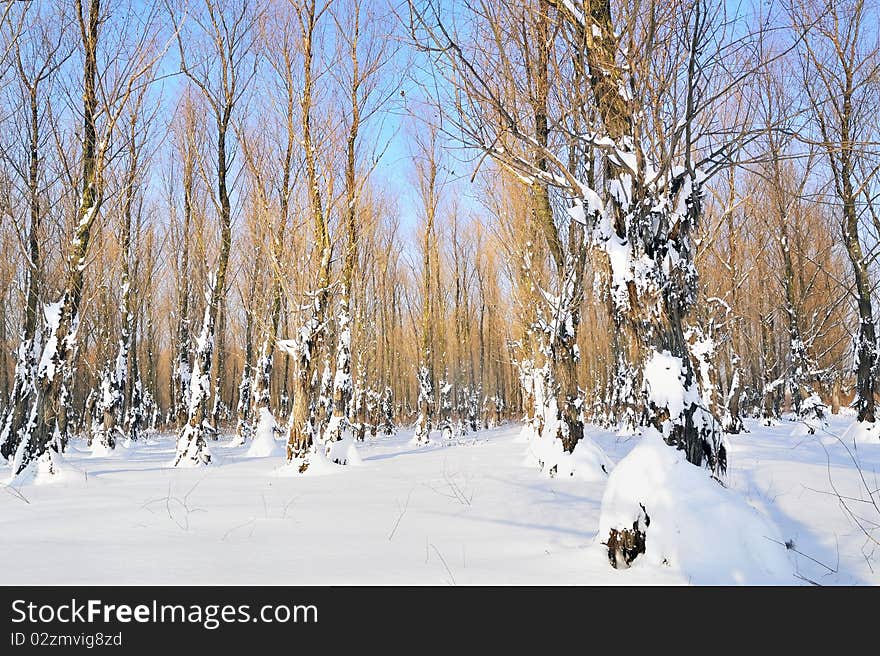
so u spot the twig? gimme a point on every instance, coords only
(14, 491)
(235, 528)
(286, 506)
(789, 545)
(810, 581)
(443, 560)
(400, 516)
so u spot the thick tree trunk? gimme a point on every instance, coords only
(46, 412)
(22, 391)
(650, 224)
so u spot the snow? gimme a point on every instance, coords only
(264, 444)
(862, 432)
(343, 452)
(46, 366)
(663, 378)
(587, 462)
(695, 527)
(50, 468)
(100, 449)
(473, 504)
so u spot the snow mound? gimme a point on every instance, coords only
(708, 533)
(99, 449)
(264, 444)
(318, 465)
(343, 452)
(50, 468)
(525, 435)
(862, 432)
(191, 452)
(586, 463)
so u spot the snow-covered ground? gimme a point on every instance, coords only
(469, 512)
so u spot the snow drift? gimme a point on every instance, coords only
(862, 432)
(586, 463)
(49, 468)
(692, 524)
(264, 443)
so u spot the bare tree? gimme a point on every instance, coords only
(305, 422)
(840, 64)
(105, 97)
(36, 62)
(221, 71)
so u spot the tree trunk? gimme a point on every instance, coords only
(46, 410)
(191, 445)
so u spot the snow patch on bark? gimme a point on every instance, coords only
(664, 380)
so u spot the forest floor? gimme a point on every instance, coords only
(467, 512)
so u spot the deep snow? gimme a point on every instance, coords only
(467, 512)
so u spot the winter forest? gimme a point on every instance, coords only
(440, 291)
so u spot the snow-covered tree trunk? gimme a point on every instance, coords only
(444, 422)
(191, 445)
(151, 411)
(136, 414)
(771, 380)
(127, 375)
(245, 426)
(259, 389)
(865, 347)
(558, 314)
(642, 237)
(425, 406)
(559, 343)
(21, 395)
(107, 408)
(262, 378)
(219, 409)
(192, 448)
(301, 429)
(363, 406)
(305, 424)
(24, 378)
(181, 375)
(229, 33)
(732, 418)
(343, 388)
(44, 429)
(839, 82)
(387, 405)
